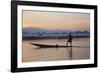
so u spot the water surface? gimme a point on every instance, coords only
(31, 53)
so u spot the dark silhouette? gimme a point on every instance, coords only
(69, 40)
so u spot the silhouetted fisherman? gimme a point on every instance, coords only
(69, 40)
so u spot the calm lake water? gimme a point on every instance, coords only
(31, 53)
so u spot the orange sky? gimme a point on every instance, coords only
(56, 20)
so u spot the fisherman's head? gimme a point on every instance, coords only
(70, 33)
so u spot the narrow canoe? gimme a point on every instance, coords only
(52, 46)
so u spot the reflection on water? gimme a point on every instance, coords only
(33, 53)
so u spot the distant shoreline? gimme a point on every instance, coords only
(56, 37)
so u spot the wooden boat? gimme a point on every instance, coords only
(52, 46)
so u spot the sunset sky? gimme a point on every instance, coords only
(56, 20)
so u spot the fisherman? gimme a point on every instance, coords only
(69, 39)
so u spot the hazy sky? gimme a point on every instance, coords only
(56, 20)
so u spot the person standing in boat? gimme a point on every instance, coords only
(69, 39)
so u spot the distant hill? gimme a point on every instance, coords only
(32, 30)
(35, 30)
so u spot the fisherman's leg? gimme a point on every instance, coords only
(67, 43)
